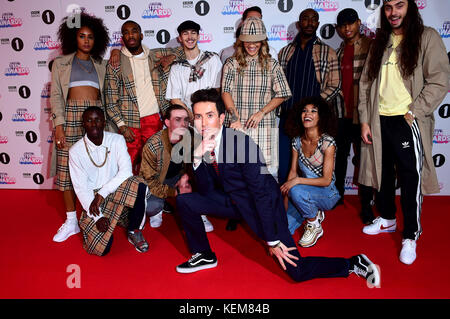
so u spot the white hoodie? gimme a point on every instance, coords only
(147, 102)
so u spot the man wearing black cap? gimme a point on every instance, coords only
(351, 55)
(200, 69)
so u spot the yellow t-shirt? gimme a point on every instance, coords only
(394, 97)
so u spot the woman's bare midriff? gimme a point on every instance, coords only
(89, 93)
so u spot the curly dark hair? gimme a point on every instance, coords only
(410, 45)
(68, 36)
(327, 120)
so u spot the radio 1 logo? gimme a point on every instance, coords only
(349, 185)
(234, 7)
(16, 69)
(5, 179)
(9, 21)
(46, 43)
(156, 10)
(116, 39)
(440, 138)
(29, 158)
(323, 5)
(204, 37)
(421, 4)
(278, 32)
(445, 30)
(45, 93)
(22, 115)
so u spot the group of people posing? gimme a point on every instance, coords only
(248, 135)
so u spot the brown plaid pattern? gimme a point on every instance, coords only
(251, 90)
(73, 129)
(120, 91)
(196, 70)
(361, 50)
(115, 208)
(326, 64)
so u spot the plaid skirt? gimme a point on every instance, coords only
(73, 129)
(115, 208)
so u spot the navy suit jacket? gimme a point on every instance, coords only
(245, 182)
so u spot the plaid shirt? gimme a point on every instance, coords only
(120, 90)
(326, 64)
(361, 50)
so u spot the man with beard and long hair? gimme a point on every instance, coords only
(404, 80)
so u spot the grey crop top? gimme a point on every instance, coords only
(83, 74)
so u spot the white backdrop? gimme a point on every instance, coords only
(28, 43)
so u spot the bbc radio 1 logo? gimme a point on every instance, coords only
(279, 32)
(116, 39)
(16, 69)
(349, 185)
(421, 4)
(22, 115)
(8, 20)
(29, 158)
(6, 179)
(204, 37)
(45, 93)
(46, 43)
(323, 5)
(445, 30)
(234, 7)
(439, 137)
(155, 11)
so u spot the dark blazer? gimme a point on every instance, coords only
(241, 182)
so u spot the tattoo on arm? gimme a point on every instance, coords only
(234, 118)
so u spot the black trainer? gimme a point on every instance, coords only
(197, 262)
(363, 267)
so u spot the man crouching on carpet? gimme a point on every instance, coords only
(233, 182)
(100, 169)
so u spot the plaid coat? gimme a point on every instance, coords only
(361, 50)
(120, 90)
(326, 64)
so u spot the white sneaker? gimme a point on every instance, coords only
(69, 228)
(311, 234)
(408, 253)
(380, 225)
(156, 220)
(208, 226)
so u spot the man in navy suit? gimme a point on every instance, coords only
(233, 182)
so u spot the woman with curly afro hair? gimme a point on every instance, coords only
(77, 83)
(311, 124)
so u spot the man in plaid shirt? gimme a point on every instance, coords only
(312, 69)
(135, 90)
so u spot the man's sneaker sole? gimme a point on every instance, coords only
(67, 236)
(137, 249)
(194, 269)
(376, 273)
(313, 243)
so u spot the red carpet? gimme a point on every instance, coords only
(33, 266)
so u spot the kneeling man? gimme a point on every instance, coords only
(100, 169)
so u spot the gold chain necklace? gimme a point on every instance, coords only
(89, 154)
(82, 66)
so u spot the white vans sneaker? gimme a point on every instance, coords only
(380, 225)
(208, 226)
(156, 220)
(69, 228)
(408, 253)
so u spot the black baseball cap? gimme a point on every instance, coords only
(347, 16)
(188, 25)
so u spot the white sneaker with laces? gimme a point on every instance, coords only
(311, 234)
(380, 225)
(156, 220)
(69, 228)
(208, 226)
(408, 252)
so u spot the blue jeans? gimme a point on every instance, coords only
(156, 204)
(306, 200)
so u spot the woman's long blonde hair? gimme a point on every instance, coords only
(240, 54)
